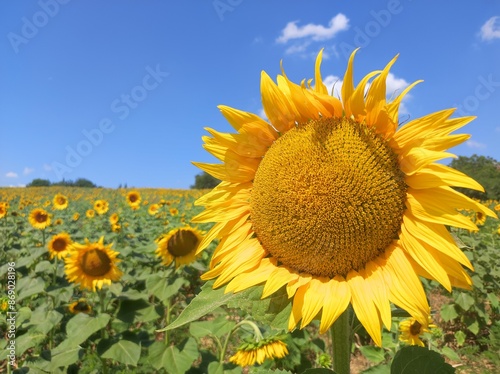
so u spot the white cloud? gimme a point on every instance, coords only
(332, 82)
(395, 85)
(474, 144)
(47, 167)
(491, 29)
(297, 48)
(28, 170)
(11, 174)
(317, 32)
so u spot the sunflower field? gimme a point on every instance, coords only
(106, 310)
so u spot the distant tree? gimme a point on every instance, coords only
(204, 181)
(82, 182)
(485, 170)
(39, 183)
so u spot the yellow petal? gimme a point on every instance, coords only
(337, 298)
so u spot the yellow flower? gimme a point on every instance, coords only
(39, 218)
(114, 218)
(153, 209)
(59, 245)
(497, 207)
(332, 200)
(3, 209)
(4, 304)
(174, 211)
(80, 306)
(116, 227)
(134, 199)
(92, 265)
(250, 353)
(411, 329)
(76, 216)
(60, 202)
(179, 245)
(101, 206)
(480, 218)
(90, 213)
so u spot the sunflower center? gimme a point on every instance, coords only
(96, 263)
(182, 243)
(328, 197)
(59, 245)
(41, 217)
(415, 328)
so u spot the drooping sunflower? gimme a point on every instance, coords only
(411, 330)
(332, 200)
(39, 218)
(80, 306)
(257, 352)
(92, 265)
(60, 202)
(59, 245)
(134, 199)
(179, 245)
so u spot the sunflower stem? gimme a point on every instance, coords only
(54, 276)
(341, 343)
(43, 237)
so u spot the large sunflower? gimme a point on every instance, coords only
(333, 201)
(179, 245)
(92, 265)
(39, 218)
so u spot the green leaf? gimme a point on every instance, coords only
(65, 357)
(177, 361)
(460, 337)
(81, 326)
(317, 371)
(494, 300)
(448, 312)
(215, 368)
(464, 300)
(374, 354)
(164, 287)
(123, 351)
(450, 353)
(29, 340)
(419, 360)
(378, 369)
(136, 311)
(473, 327)
(205, 302)
(217, 327)
(29, 286)
(44, 267)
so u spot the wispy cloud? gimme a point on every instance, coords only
(47, 167)
(11, 174)
(491, 29)
(28, 170)
(313, 31)
(475, 145)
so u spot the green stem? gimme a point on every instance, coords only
(257, 334)
(54, 276)
(168, 309)
(43, 238)
(102, 308)
(341, 343)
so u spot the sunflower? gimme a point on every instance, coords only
(250, 353)
(153, 209)
(179, 245)
(76, 216)
(92, 265)
(174, 211)
(59, 245)
(114, 218)
(101, 206)
(480, 218)
(411, 329)
(60, 202)
(90, 213)
(39, 218)
(134, 199)
(3, 209)
(80, 306)
(332, 200)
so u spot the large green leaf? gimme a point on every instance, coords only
(29, 286)
(65, 357)
(448, 312)
(164, 287)
(178, 361)
(419, 360)
(81, 326)
(123, 351)
(217, 327)
(136, 311)
(374, 354)
(464, 300)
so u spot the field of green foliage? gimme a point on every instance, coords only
(51, 325)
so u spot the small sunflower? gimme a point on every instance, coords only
(92, 265)
(153, 209)
(59, 245)
(480, 218)
(257, 352)
(411, 330)
(39, 218)
(336, 202)
(179, 245)
(80, 306)
(3, 209)
(60, 202)
(116, 227)
(174, 211)
(114, 218)
(90, 213)
(134, 199)
(497, 208)
(4, 304)
(101, 206)
(76, 216)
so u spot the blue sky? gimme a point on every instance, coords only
(120, 91)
